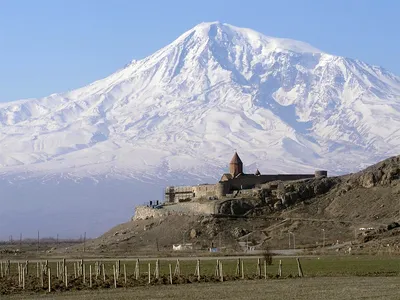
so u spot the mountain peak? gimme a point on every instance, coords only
(215, 88)
(240, 36)
(174, 117)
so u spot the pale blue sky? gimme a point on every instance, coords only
(49, 46)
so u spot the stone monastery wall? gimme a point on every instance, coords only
(189, 208)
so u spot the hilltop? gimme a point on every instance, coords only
(342, 206)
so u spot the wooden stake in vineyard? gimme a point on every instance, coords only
(115, 277)
(64, 263)
(66, 275)
(104, 273)
(90, 276)
(19, 275)
(177, 271)
(84, 273)
(97, 269)
(125, 274)
(157, 270)
(149, 273)
(216, 272)
(197, 271)
(27, 267)
(137, 270)
(170, 273)
(41, 277)
(242, 267)
(49, 277)
(258, 268)
(221, 273)
(299, 267)
(23, 278)
(237, 272)
(280, 268)
(265, 269)
(119, 267)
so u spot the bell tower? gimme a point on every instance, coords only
(236, 165)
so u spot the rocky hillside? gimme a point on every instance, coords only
(333, 208)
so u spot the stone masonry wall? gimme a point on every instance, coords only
(189, 208)
(144, 212)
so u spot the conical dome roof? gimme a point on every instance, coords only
(236, 159)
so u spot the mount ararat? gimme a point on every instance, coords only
(79, 161)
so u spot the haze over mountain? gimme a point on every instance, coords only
(81, 160)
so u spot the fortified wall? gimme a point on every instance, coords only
(188, 208)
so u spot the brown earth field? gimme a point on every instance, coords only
(301, 289)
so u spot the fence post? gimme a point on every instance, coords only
(149, 273)
(63, 267)
(66, 275)
(170, 273)
(137, 269)
(115, 277)
(41, 276)
(242, 266)
(90, 276)
(258, 268)
(49, 277)
(19, 275)
(84, 273)
(299, 267)
(157, 271)
(198, 270)
(119, 267)
(97, 271)
(177, 271)
(217, 269)
(23, 277)
(104, 272)
(265, 268)
(280, 268)
(125, 274)
(221, 272)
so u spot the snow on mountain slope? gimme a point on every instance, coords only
(180, 113)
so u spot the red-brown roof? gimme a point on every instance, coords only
(236, 159)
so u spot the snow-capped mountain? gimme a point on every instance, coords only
(178, 115)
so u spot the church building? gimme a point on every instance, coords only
(229, 183)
